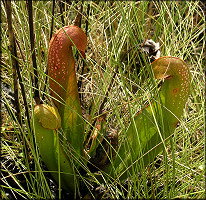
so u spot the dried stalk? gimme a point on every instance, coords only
(61, 11)
(16, 71)
(52, 22)
(51, 33)
(32, 38)
(13, 51)
(86, 30)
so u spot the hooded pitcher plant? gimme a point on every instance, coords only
(152, 126)
(59, 128)
(63, 121)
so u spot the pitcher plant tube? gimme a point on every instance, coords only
(63, 120)
(146, 135)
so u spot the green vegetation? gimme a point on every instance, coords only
(113, 86)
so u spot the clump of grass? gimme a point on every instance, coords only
(113, 29)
